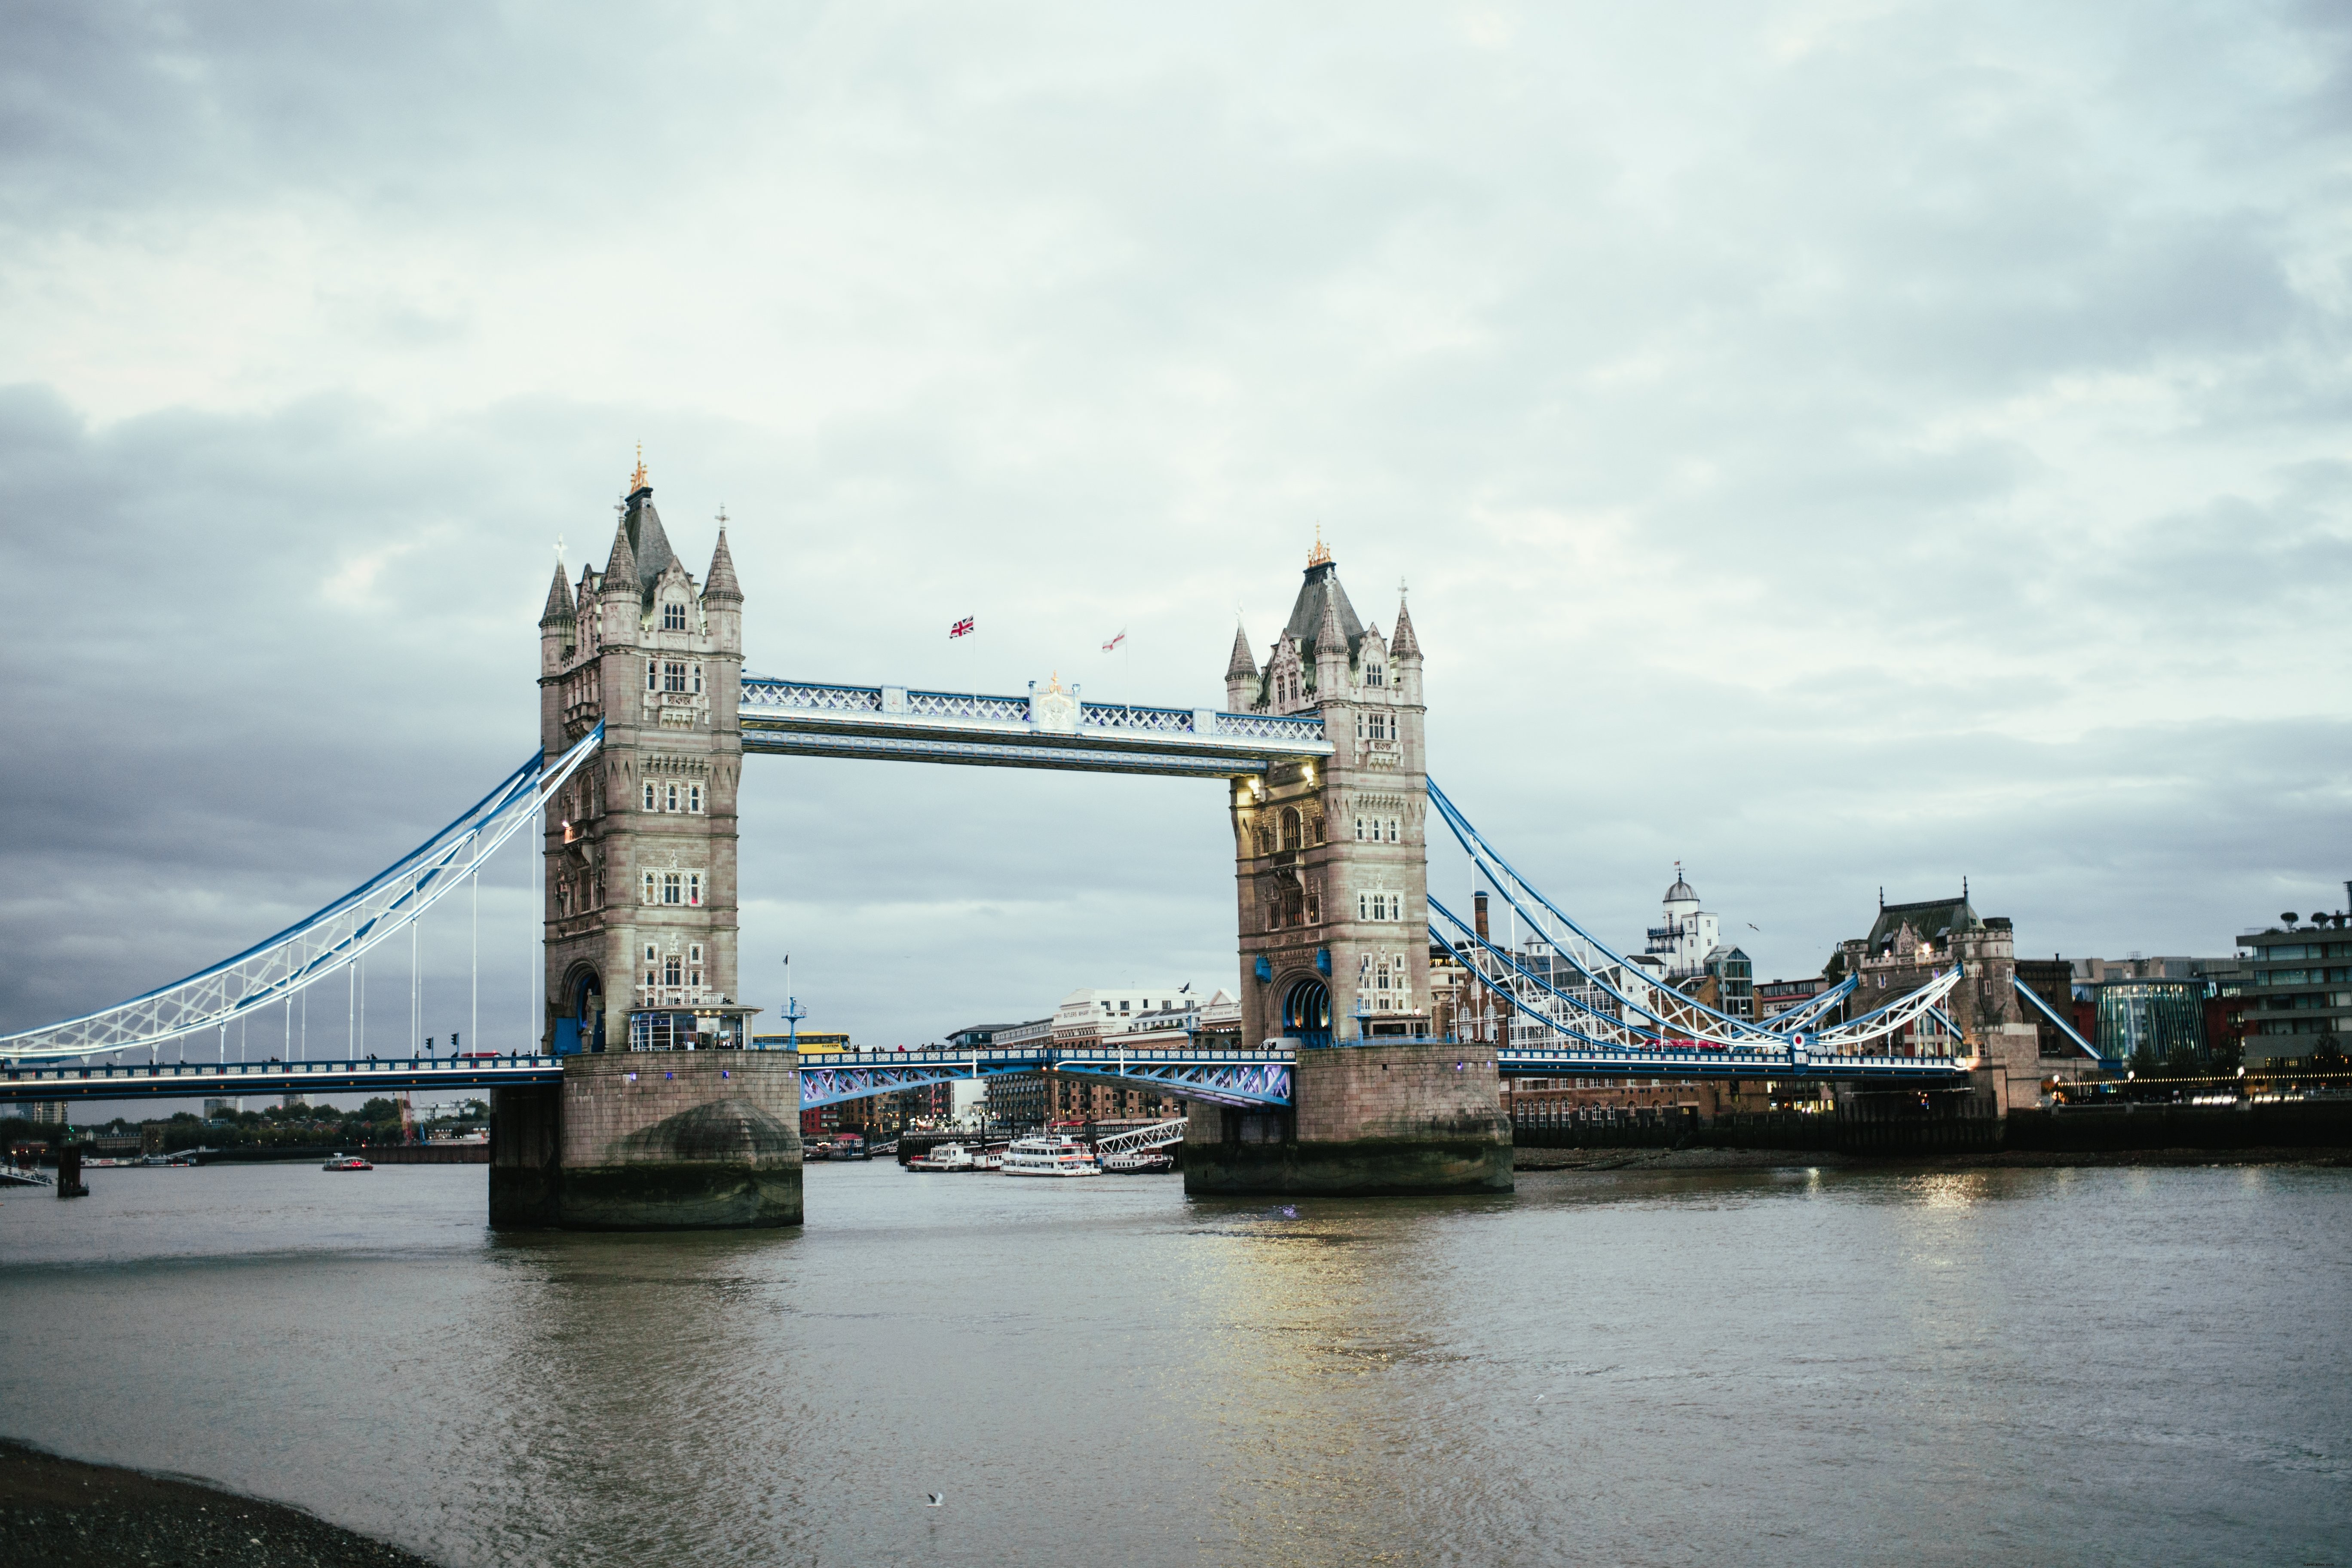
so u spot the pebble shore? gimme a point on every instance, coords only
(62, 1513)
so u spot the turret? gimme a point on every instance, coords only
(559, 626)
(722, 596)
(1331, 654)
(1404, 656)
(1241, 675)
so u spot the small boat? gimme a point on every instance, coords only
(1134, 1160)
(1056, 1154)
(988, 1159)
(945, 1157)
(346, 1163)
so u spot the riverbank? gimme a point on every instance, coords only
(1828, 1159)
(64, 1513)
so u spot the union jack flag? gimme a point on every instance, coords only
(1112, 646)
(963, 629)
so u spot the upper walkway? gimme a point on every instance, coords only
(1048, 729)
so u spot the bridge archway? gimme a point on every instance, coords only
(580, 1023)
(1307, 1012)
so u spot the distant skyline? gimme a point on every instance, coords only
(1833, 445)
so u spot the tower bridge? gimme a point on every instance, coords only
(1357, 1076)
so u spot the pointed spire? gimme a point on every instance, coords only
(721, 583)
(620, 571)
(559, 600)
(1241, 667)
(1402, 644)
(1330, 640)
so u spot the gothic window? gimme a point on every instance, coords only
(673, 887)
(1359, 830)
(650, 885)
(673, 616)
(694, 797)
(694, 953)
(674, 676)
(1289, 827)
(1363, 906)
(697, 678)
(1315, 830)
(1373, 675)
(649, 799)
(650, 956)
(669, 798)
(673, 972)
(1392, 829)
(653, 675)
(694, 887)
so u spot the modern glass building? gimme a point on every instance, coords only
(2149, 1022)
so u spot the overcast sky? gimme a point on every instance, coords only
(1834, 445)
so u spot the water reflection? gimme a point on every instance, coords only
(1834, 1366)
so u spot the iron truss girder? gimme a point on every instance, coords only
(1239, 1078)
(224, 1079)
(1045, 730)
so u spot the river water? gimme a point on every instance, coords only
(2128, 1366)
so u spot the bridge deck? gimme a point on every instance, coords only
(818, 719)
(1242, 1078)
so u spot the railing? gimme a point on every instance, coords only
(764, 693)
(968, 705)
(1126, 716)
(1272, 726)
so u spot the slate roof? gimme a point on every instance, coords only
(1322, 589)
(1932, 919)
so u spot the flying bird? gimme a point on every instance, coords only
(937, 1498)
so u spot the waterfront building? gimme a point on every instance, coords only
(2296, 987)
(1909, 945)
(1686, 933)
(1774, 998)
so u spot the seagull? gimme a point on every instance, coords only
(937, 1498)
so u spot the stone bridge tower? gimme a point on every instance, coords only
(1330, 859)
(1331, 873)
(640, 946)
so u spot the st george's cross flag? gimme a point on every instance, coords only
(1112, 646)
(963, 629)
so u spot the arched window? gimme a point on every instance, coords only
(649, 799)
(673, 970)
(669, 798)
(673, 616)
(694, 797)
(1290, 827)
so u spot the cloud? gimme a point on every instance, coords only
(1831, 445)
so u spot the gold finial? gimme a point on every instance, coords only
(637, 479)
(1322, 555)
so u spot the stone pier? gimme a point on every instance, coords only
(1379, 1117)
(651, 1141)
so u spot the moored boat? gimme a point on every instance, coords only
(1053, 1154)
(945, 1157)
(346, 1163)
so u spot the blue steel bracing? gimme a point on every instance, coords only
(1799, 1016)
(2111, 1064)
(1532, 978)
(1476, 847)
(321, 943)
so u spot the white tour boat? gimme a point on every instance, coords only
(1055, 1154)
(945, 1157)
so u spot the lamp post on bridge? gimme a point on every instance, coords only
(793, 1014)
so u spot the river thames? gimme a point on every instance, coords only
(2111, 1365)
